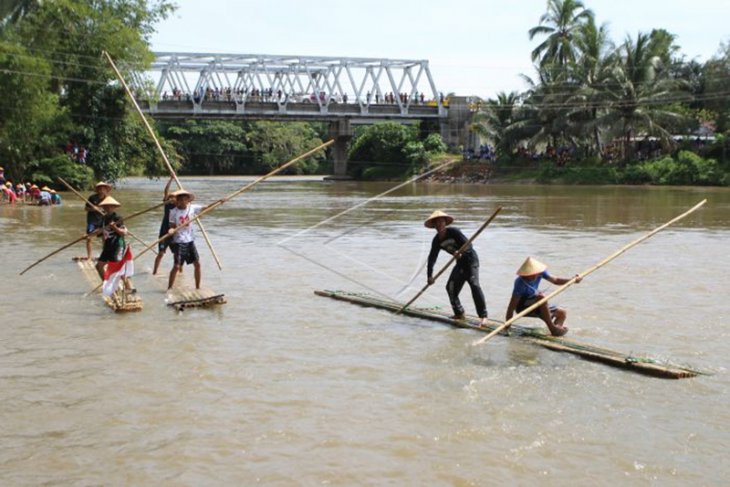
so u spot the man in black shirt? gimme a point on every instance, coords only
(164, 227)
(466, 269)
(94, 219)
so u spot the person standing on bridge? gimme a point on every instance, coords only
(466, 270)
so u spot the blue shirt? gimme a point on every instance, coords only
(529, 288)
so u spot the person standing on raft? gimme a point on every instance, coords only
(114, 233)
(94, 219)
(184, 249)
(466, 269)
(169, 201)
(526, 292)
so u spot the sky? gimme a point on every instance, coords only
(474, 47)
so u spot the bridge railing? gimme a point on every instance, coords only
(290, 85)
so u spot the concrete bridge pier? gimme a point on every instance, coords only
(341, 131)
(455, 128)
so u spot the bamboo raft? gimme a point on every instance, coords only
(181, 297)
(642, 365)
(120, 301)
(184, 295)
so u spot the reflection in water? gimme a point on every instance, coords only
(287, 388)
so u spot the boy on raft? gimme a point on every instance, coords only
(184, 249)
(114, 234)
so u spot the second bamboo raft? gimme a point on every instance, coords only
(642, 365)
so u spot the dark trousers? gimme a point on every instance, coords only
(466, 272)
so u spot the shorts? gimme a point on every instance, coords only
(535, 313)
(185, 253)
(91, 227)
(162, 246)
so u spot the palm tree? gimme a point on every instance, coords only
(543, 118)
(492, 120)
(560, 24)
(590, 72)
(640, 94)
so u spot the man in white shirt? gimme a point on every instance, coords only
(183, 240)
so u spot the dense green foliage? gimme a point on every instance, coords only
(396, 149)
(61, 91)
(223, 147)
(596, 100)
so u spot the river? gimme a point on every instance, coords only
(282, 387)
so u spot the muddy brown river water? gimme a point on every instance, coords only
(281, 387)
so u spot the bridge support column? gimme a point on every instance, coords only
(455, 129)
(341, 131)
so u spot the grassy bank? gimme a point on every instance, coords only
(685, 168)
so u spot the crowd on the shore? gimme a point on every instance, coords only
(26, 193)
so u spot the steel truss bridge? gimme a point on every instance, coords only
(338, 90)
(288, 87)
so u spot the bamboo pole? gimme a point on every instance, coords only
(97, 209)
(452, 260)
(84, 236)
(223, 200)
(352, 208)
(159, 148)
(587, 272)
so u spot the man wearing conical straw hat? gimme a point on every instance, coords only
(526, 292)
(94, 219)
(114, 234)
(466, 270)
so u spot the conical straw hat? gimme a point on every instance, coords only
(182, 192)
(109, 201)
(531, 267)
(45, 188)
(429, 223)
(102, 183)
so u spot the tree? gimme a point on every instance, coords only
(392, 150)
(640, 94)
(274, 143)
(11, 11)
(209, 147)
(591, 74)
(716, 75)
(71, 35)
(493, 119)
(560, 24)
(29, 113)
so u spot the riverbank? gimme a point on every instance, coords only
(684, 169)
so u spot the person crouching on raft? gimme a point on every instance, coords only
(466, 269)
(184, 239)
(526, 292)
(113, 233)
